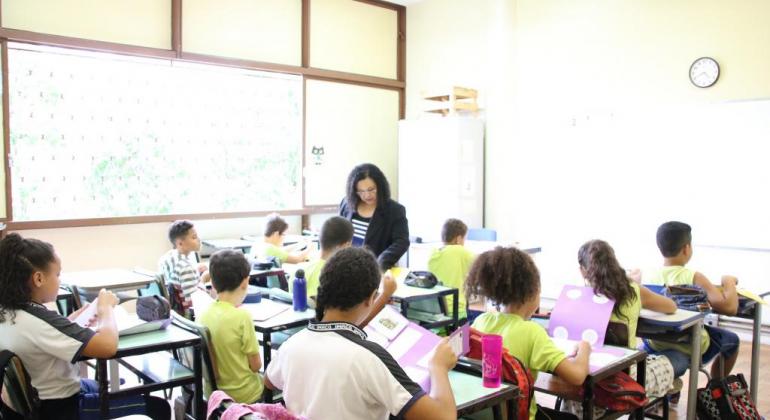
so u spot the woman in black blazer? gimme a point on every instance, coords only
(379, 222)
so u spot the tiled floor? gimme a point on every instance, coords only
(742, 366)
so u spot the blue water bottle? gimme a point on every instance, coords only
(299, 291)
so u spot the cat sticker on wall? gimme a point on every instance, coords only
(318, 155)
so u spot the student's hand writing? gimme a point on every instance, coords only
(443, 356)
(107, 300)
(389, 284)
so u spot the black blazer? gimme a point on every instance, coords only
(388, 232)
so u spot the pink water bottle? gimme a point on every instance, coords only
(492, 360)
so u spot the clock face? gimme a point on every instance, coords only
(704, 72)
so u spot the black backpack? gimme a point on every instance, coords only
(21, 392)
(152, 308)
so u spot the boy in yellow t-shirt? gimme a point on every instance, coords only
(336, 234)
(236, 351)
(275, 230)
(451, 263)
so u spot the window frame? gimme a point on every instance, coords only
(176, 53)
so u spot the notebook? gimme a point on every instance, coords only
(126, 323)
(411, 345)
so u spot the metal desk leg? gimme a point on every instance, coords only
(588, 399)
(641, 379)
(198, 409)
(101, 378)
(267, 395)
(456, 308)
(497, 413)
(114, 375)
(756, 343)
(695, 358)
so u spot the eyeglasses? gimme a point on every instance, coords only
(367, 191)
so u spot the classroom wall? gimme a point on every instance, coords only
(270, 31)
(554, 74)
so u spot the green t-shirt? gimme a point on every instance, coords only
(313, 277)
(233, 339)
(526, 340)
(630, 315)
(450, 264)
(277, 252)
(674, 275)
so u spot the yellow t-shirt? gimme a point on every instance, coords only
(233, 339)
(675, 275)
(630, 315)
(277, 252)
(526, 340)
(313, 277)
(450, 264)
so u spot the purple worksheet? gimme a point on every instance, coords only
(579, 314)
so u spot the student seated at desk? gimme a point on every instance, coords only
(49, 344)
(330, 370)
(275, 230)
(235, 347)
(602, 271)
(336, 234)
(451, 262)
(509, 277)
(675, 244)
(179, 265)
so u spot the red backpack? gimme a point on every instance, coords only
(619, 393)
(514, 372)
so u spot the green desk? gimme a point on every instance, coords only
(471, 396)
(170, 338)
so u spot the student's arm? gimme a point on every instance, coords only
(724, 301)
(297, 257)
(441, 402)
(388, 288)
(656, 302)
(255, 362)
(104, 344)
(575, 369)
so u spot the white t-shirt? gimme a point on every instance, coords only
(48, 345)
(330, 370)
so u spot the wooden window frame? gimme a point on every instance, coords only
(176, 53)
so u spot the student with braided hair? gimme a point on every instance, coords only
(330, 369)
(48, 343)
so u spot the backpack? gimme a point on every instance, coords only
(514, 372)
(24, 395)
(152, 308)
(728, 399)
(619, 393)
(688, 297)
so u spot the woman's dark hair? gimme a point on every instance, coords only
(19, 259)
(228, 268)
(507, 276)
(363, 171)
(349, 277)
(604, 273)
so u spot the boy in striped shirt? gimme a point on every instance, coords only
(179, 265)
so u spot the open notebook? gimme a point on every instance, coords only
(127, 323)
(410, 344)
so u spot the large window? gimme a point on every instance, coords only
(99, 135)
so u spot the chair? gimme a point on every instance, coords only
(19, 397)
(185, 356)
(481, 234)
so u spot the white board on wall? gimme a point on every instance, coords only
(346, 125)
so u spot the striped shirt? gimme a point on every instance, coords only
(180, 270)
(360, 226)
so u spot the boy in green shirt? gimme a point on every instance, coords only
(336, 234)
(451, 262)
(275, 230)
(234, 342)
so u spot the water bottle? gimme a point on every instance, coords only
(299, 291)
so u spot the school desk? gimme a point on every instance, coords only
(163, 340)
(114, 279)
(471, 396)
(214, 245)
(404, 295)
(680, 326)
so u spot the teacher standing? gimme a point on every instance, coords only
(379, 222)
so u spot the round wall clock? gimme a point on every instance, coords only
(704, 72)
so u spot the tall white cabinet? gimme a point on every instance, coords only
(441, 173)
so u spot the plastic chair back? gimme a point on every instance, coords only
(481, 234)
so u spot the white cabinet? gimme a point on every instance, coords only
(441, 173)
